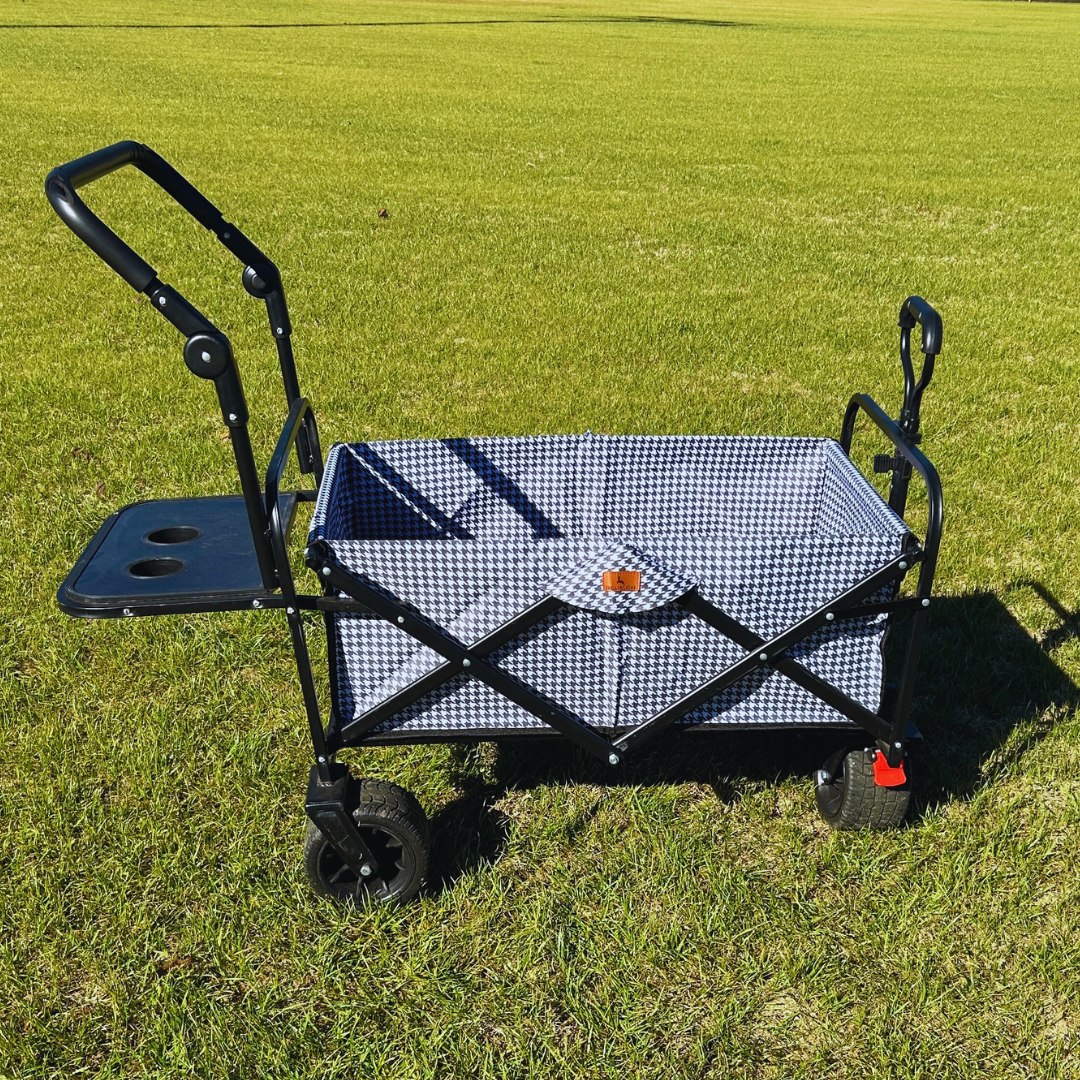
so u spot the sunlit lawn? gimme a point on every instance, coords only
(684, 217)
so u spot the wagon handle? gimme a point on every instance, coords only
(909, 457)
(916, 310)
(207, 351)
(261, 278)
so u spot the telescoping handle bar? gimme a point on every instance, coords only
(261, 277)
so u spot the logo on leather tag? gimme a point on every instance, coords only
(622, 581)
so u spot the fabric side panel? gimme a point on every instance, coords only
(850, 505)
(700, 486)
(563, 658)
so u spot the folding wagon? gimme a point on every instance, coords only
(600, 588)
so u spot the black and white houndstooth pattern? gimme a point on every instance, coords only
(582, 586)
(472, 532)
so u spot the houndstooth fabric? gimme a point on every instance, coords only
(472, 532)
(582, 586)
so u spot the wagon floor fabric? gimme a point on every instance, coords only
(471, 532)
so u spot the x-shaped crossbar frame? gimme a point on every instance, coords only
(471, 659)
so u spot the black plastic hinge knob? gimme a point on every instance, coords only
(261, 279)
(208, 355)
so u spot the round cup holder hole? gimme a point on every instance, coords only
(151, 568)
(175, 534)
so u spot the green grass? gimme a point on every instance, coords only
(684, 217)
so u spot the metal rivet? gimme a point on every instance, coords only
(161, 300)
(764, 656)
(232, 418)
(290, 611)
(280, 331)
(613, 759)
(898, 745)
(206, 357)
(322, 761)
(365, 870)
(401, 620)
(128, 611)
(256, 603)
(225, 236)
(926, 602)
(326, 571)
(829, 616)
(466, 662)
(903, 565)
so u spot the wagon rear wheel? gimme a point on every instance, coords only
(395, 829)
(853, 800)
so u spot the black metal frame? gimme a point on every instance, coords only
(270, 511)
(207, 351)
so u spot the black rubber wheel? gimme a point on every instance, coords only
(853, 800)
(395, 828)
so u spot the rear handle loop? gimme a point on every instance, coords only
(915, 310)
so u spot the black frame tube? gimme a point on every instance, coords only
(301, 419)
(917, 459)
(904, 434)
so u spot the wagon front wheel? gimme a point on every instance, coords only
(852, 799)
(395, 829)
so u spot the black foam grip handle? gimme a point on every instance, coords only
(61, 185)
(916, 310)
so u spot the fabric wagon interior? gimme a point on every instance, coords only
(471, 532)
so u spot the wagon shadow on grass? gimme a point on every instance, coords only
(987, 693)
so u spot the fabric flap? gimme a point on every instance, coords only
(619, 578)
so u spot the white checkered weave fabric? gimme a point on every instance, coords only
(471, 532)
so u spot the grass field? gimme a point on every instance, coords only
(680, 217)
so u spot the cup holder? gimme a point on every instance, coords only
(175, 534)
(155, 568)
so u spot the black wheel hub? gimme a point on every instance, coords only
(829, 787)
(391, 868)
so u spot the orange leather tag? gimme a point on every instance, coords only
(622, 581)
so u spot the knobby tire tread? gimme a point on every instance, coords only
(378, 803)
(865, 805)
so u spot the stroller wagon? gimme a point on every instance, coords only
(602, 588)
